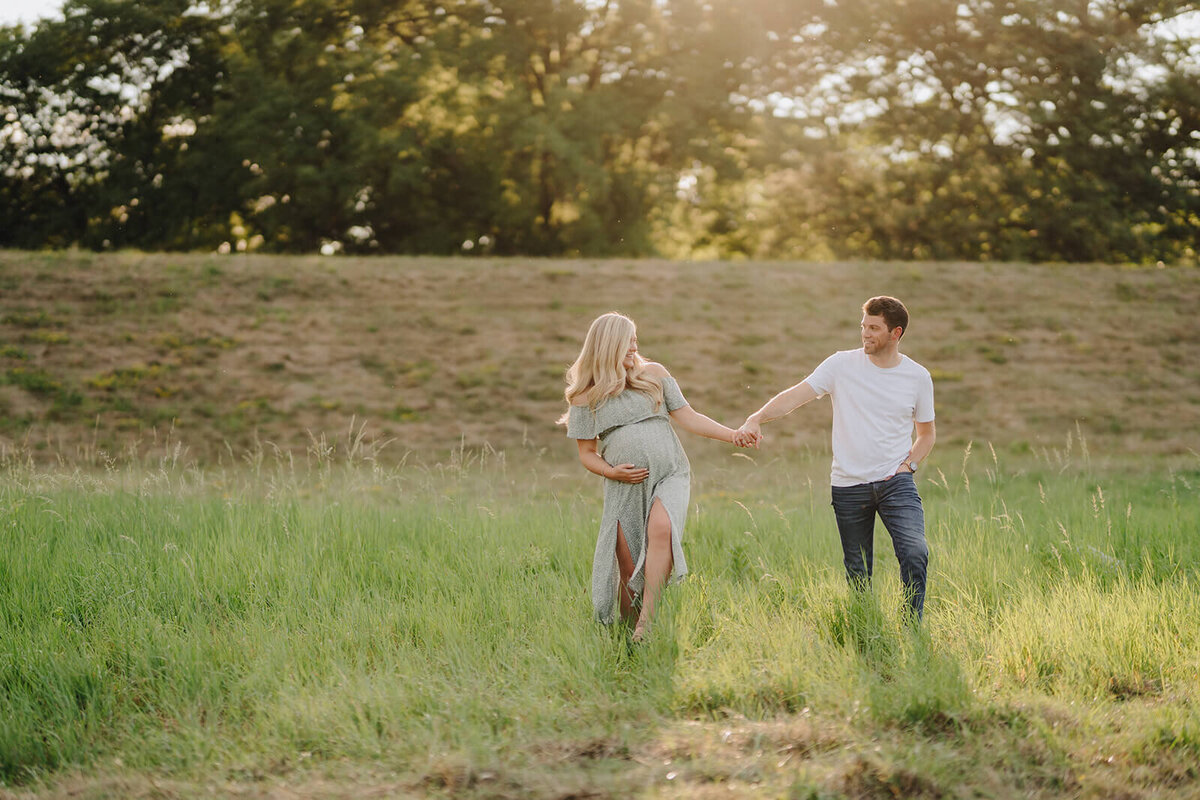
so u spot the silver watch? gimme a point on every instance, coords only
(912, 465)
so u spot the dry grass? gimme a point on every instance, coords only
(122, 351)
(732, 757)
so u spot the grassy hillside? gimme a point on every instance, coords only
(126, 352)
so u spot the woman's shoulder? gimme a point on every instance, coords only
(656, 370)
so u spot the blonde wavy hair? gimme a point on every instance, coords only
(599, 374)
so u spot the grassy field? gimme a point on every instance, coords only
(305, 528)
(351, 628)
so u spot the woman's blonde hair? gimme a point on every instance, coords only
(598, 373)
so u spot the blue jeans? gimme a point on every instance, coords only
(899, 506)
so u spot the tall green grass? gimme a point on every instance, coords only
(436, 618)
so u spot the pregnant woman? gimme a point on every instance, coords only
(620, 411)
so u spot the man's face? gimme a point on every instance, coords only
(875, 335)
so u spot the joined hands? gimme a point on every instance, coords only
(747, 436)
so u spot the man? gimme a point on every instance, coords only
(879, 397)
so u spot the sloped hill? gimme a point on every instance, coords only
(128, 351)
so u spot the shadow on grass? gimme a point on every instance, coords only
(647, 667)
(906, 680)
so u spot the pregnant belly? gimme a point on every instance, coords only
(650, 443)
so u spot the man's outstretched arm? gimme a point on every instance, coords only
(778, 406)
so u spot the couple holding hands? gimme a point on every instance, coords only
(620, 409)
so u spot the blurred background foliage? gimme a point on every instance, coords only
(1042, 130)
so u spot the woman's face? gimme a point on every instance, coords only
(630, 354)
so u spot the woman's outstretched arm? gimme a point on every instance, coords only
(693, 421)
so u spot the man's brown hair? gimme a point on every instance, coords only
(892, 310)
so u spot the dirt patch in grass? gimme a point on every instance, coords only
(1023, 753)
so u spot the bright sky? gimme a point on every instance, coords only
(27, 11)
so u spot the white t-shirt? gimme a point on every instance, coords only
(873, 413)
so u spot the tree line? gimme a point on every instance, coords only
(1041, 130)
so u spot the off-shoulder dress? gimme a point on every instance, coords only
(632, 431)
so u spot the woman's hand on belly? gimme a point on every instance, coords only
(628, 473)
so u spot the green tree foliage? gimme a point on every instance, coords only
(90, 105)
(1026, 129)
(1045, 130)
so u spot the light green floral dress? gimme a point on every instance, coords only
(632, 431)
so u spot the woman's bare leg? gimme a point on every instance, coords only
(625, 570)
(659, 560)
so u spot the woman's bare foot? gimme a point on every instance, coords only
(640, 631)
